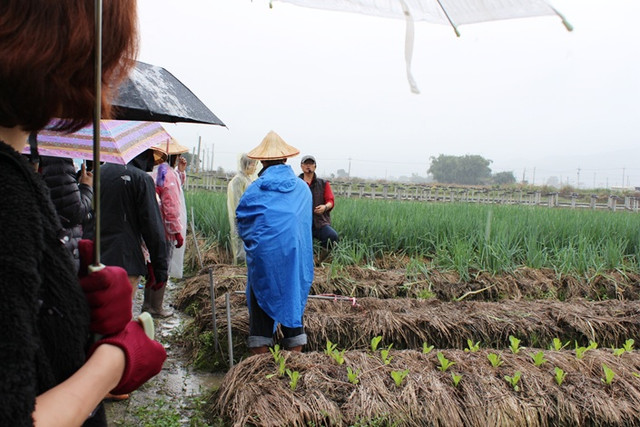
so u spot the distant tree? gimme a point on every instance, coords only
(504, 178)
(465, 170)
(417, 179)
(553, 181)
(342, 173)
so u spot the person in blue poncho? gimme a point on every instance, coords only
(274, 222)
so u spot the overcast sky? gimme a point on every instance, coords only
(527, 94)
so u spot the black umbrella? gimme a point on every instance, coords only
(151, 93)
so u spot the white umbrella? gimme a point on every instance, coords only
(448, 12)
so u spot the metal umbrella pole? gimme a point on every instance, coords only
(97, 116)
(212, 291)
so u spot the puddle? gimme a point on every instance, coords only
(175, 392)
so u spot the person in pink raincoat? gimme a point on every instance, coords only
(169, 182)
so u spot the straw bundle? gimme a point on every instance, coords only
(428, 396)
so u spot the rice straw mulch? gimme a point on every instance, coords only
(427, 396)
(524, 283)
(408, 323)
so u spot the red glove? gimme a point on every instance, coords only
(85, 249)
(179, 239)
(109, 294)
(151, 279)
(144, 357)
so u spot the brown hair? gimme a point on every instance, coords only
(47, 59)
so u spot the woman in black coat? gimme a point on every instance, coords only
(51, 370)
(72, 195)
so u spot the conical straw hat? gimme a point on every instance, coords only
(159, 155)
(173, 147)
(273, 147)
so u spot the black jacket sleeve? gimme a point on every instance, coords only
(72, 200)
(152, 228)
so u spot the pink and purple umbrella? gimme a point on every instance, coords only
(120, 141)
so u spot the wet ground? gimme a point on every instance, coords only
(175, 396)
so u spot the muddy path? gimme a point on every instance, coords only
(176, 395)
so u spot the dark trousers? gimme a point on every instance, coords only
(261, 329)
(325, 234)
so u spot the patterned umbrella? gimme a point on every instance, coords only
(120, 141)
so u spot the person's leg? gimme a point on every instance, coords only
(154, 299)
(327, 235)
(294, 338)
(135, 281)
(260, 328)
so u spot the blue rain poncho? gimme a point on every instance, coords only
(274, 222)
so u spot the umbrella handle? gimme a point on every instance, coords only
(96, 267)
(146, 321)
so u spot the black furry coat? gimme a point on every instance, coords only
(44, 316)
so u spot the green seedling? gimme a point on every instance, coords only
(426, 349)
(557, 344)
(444, 362)
(281, 368)
(514, 380)
(338, 356)
(635, 374)
(495, 359)
(618, 351)
(471, 347)
(514, 344)
(628, 345)
(608, 375)
(385, 354)
(456, 379)
(293, 377)
(580, 351)
(330, 348)
(353, 376)
(375, 341)
(399, 376)
(560, 374)
(275, 352)
(538, 358)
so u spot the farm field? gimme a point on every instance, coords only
(434, 314)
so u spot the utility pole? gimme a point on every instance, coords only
(594, 180)
(204, 160)
(578, 179)
(349, 171)
(533, 180)
(524, 171)
(622, 178)
(198, 163)
(213, 146)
